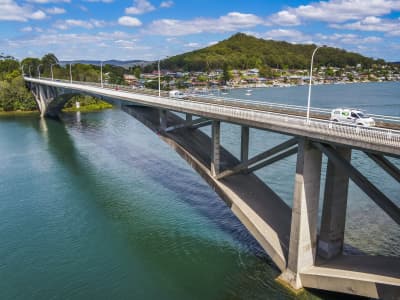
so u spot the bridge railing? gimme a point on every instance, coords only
(347, 131)
(317, 110)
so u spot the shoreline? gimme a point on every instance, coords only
(19, 113)
(306, 84)
(36, 112)
(244, 87)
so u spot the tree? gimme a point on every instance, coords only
(30, 65)
(7, 66)
(137, 72)
(265, 71)
(15, 96)
(48, 60)
(226, 74)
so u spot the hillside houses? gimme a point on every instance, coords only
(253, 78)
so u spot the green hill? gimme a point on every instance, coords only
(242, 51)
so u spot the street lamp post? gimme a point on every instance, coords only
(38, 69)
(159, 79)
(310, 83)
(101, 73)
(29, 70)
(22, 70)
(70, 73)
(51, 70)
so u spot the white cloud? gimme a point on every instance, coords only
(166, 4)
(139, 7)
(233, 21)
(55, 11)
(31, 29)
(129, 21)
(335, 11)
(89, 24)
(27, 29)
(390, 27)
(49, 1)
(285, 18)
(102, 45)
(38, 15)
(12, 11)
(293, 36)
(104, 1)
(192, 45)
(83, 8)
(348, 39)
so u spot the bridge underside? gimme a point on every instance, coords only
(267, 217)
(264, 214)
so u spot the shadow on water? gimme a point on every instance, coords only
(204, 201)
(61, 145)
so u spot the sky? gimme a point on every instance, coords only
(154, 29)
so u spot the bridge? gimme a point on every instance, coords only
(306, 256)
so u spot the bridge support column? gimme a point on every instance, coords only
(163, 119)
(333, 220)
(189, 117)
(215, 147)
(303, 234)
(40, 97)
(244, 149)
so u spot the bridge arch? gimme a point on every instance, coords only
(51, 100)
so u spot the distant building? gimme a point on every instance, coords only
(130, 79)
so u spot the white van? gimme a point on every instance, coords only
(177, 94)
(352, 116)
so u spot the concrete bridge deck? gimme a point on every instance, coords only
(373, 139)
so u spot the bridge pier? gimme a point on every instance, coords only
(163, 119)
(48, 99)
(39, 96)
(244, 147)
(215, 147)
(303, 233)
(333, 219)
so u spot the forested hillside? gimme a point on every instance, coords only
(242, 51)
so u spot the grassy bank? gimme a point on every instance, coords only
(19, 113)
(86, 108)
(89, 107)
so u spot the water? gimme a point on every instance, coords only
(97, 207)
(375, 98)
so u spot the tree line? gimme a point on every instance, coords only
(14, 96)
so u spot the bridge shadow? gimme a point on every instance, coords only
(61, 145)
(270, 211)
